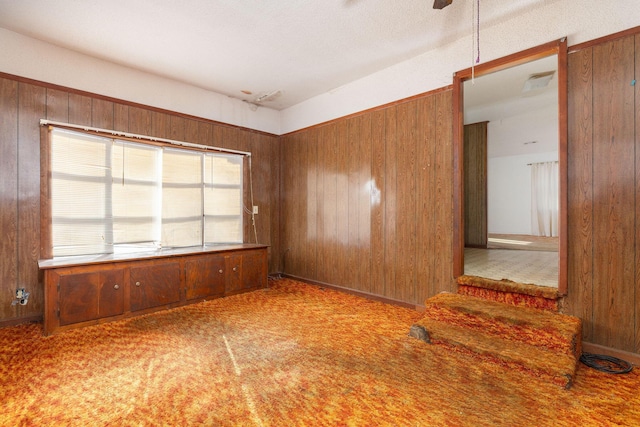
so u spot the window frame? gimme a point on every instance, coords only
(46, 243)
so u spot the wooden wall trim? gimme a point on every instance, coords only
(362, 294)
(605, 39)
(633, 358)
(97, 96)
(373, 109)
(20, 321)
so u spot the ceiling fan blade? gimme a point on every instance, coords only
(441, 4)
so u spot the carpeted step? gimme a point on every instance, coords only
(510, 292)
(539, 342)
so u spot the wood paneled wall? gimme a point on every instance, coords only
(476, 209)
(367, 201)
(604, 195)
(22, 105)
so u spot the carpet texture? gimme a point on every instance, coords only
(538, 342)
(289, 355)
(510, 292)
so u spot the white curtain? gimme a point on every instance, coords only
(544, 199)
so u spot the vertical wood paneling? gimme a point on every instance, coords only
(475, 185)
(406, 203)
(80, 107)
(443, 260)
(426, 202)
(327, 216)
(178, 128)
(192, 132)
(161, 125)
(378, 180)
(8, 196)
(637, 186)
(140, 121)
(310, 180)
(614, 193)
(121, 117)
(102, 114)
(580, 195)
(390, 196)
(58, 105)
(365, 202)
(342, 203)
(31, 104)
(353, 257)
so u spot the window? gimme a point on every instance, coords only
(113, 196)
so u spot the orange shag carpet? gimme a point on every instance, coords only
(290, 355)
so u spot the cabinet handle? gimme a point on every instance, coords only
(116, 286)
(137, 283)
(220, 271)
(235, 268)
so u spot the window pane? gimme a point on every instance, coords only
(80, 197)
(136, 195)
(223, 198)
(181, 198)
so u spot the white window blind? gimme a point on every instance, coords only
(110, 195)
(223, 198)
(181, 198)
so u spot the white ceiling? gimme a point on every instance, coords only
(296, 49)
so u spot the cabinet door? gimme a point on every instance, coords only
(234, 273)
(254, 269)
(205, 276)
(90, 296)
(154, 285)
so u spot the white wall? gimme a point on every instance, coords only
(580, 20)
(34, 59)
(509, 192)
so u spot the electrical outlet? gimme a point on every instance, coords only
(255, 210)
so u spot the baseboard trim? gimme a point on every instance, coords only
(633, 358)
(362, 294)
(20, 321)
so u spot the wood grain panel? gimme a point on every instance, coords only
(31, 104)
(378, 180)
(328, 209)
(80, 109)
(57, 105)
(192, 132)
(178, 128)
(475, 185)
(342, 204)
(406, 203)
(426, 202)
(140, 121)
(353, 204)
(613, 167)
(637, 186)
(160, 125)
(580, 194)
(102, 114)
(121, 117)
(8, 196)
(390, 203)
(443, 259)
(309, 179)
(366, 192)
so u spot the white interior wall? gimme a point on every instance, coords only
(580, 20)
(27, 57)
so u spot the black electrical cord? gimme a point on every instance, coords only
(604, 363)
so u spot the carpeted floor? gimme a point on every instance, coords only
(290, 355)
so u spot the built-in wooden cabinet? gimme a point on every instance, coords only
(87, 291)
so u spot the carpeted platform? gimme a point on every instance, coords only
(506, 327)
